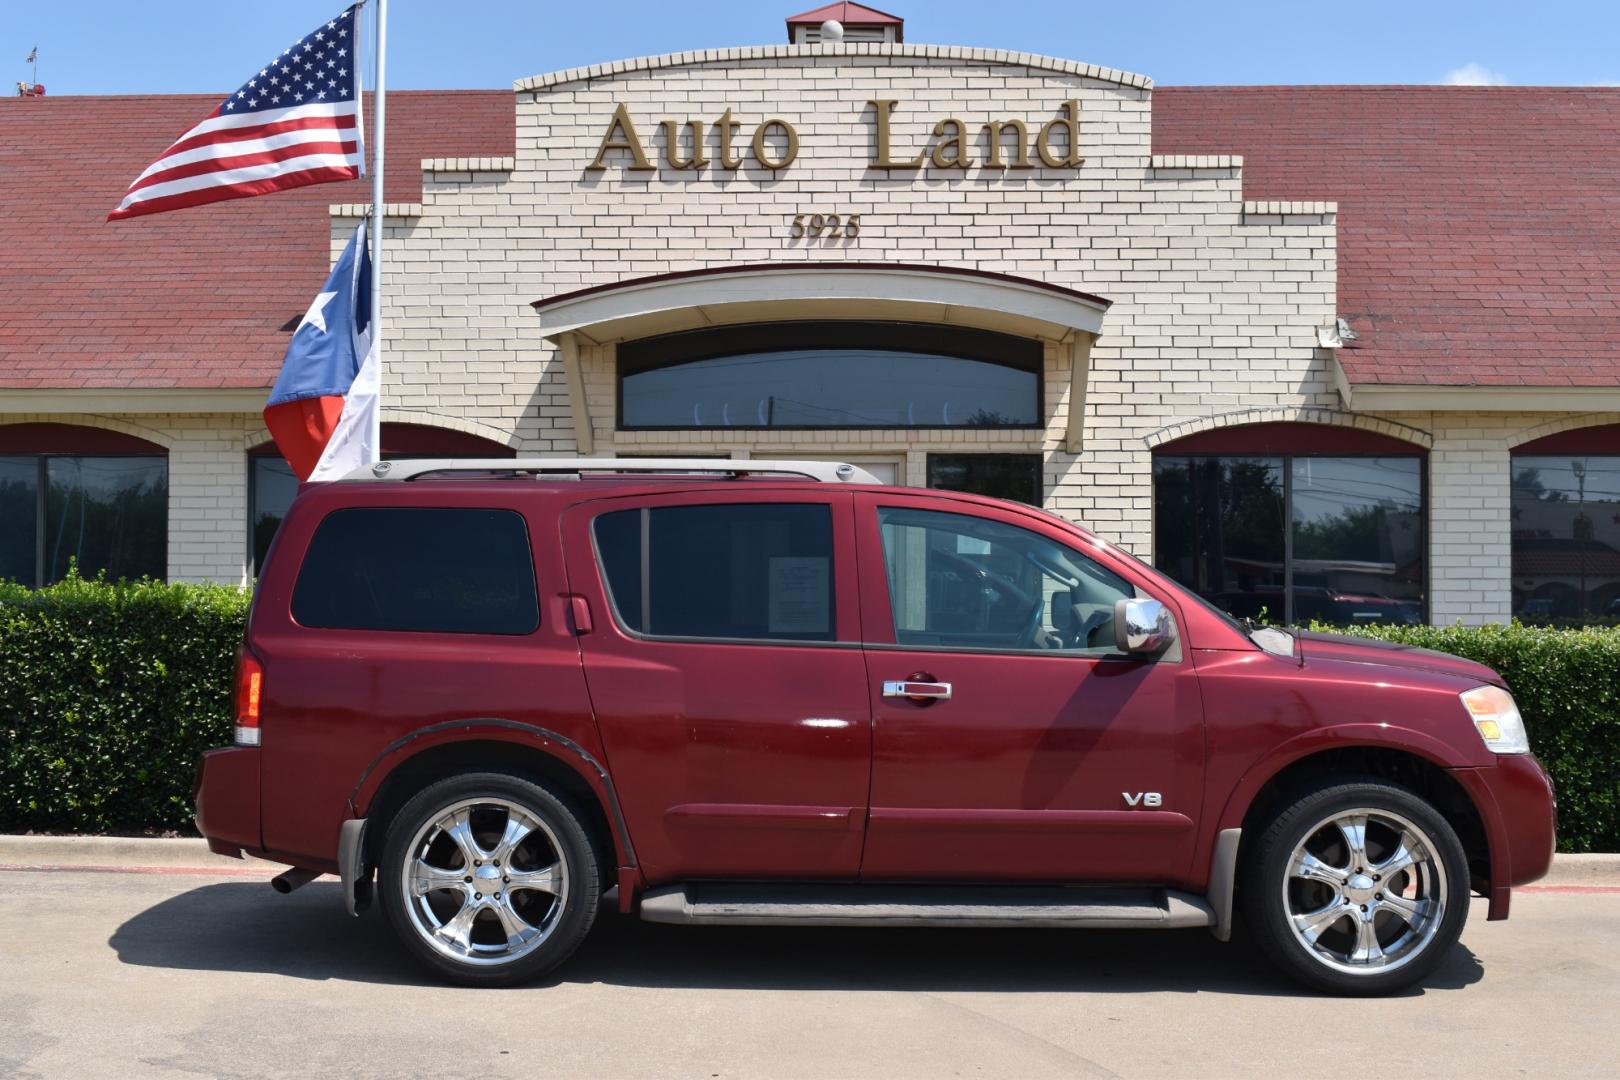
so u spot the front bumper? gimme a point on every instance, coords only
(1519, 810)
(227, 798)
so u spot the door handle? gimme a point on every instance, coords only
(917, 691)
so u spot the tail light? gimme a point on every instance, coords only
(249, 689)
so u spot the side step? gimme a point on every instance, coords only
(808, 904)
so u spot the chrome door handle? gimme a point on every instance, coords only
(907, 688)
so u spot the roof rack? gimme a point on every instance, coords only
(826, 472)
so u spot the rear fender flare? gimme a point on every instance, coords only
(492, 729)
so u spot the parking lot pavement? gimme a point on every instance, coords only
(128, 974)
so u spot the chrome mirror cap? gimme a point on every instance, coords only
(1142, 627)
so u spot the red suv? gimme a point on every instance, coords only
(776, 692)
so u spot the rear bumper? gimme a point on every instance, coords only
(227, 798)
(1519, 810)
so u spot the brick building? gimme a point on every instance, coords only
(1332, 352)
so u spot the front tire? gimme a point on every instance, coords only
(1356, 887)
(489, 879)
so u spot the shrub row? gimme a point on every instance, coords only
(109, 692)
(107, 695)
(1567, 685)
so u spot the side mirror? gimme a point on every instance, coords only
(1142, 627)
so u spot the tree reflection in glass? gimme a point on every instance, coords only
(1566, 538)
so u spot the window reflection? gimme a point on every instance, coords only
(1358, 539)
(107, 514)
(19, 511)
(830, 375)
(1224, 527)
(1566, 538)
(1219, 530)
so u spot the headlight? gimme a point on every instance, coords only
(1497, 719)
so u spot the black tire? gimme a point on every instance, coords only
(1329, 963)
(426, 923)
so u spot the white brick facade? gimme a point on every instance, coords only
(1216, 301)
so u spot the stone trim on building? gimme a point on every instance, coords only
(1331, 417)
(740, 54)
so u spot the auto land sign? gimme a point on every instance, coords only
(774, 143)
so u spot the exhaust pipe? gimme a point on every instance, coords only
(288, 880)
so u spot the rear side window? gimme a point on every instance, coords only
(740, 571)
(425, 569)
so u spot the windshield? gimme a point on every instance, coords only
(1181, 590)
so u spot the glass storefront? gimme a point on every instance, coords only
(1566, 538)
(1295, 539)
(104, 513)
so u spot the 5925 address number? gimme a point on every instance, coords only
(831, 226)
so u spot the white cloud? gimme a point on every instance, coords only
(1474, 74)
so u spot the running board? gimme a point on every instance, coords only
(1098, 907)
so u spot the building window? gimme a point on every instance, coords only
(1566, 528)
(1000, 476)
(1331, 530)
(81, 496)
(272, 485)
(830, 375)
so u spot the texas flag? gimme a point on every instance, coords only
(322, 411)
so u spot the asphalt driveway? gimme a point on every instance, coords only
(134, 974)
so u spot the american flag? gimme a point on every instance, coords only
(296, 122)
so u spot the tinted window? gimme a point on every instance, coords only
(272, 486)
(1000, 476)
(957, 581)
(447, 570)
(830, 375)
(107, 514)
(1566, 538)
(1295, 539)
(743, 571)
(19, 511)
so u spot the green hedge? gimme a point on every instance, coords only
(109, 692)
(1567, 684)
(107, 695)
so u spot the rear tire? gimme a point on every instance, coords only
(1356, 887)
(489, 878)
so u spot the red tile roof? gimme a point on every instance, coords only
(197, 298)
(850, 14)
(1479, 229)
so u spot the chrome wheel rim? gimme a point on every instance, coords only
(485, 881)
(1365, 891)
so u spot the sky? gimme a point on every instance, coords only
(113, 46)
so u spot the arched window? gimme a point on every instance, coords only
(272, 485)
(1566, 527)
(80, 495)
(1296, 522)
(827, 374)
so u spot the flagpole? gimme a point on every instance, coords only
(380, 88)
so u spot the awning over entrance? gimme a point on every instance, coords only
(667, 303)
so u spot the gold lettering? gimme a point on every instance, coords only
(672, 145)
(1043, 146)
(880, 157)
(762, 155)
(621, 135)
(993, 130)
(956, 142)
(725, 126)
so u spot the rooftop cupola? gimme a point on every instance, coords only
(853, 22)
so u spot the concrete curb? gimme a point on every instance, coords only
(1602, 870)
(121, 851)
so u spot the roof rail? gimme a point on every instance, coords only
(826, 472)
